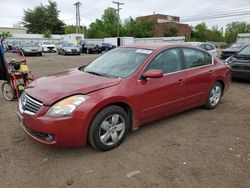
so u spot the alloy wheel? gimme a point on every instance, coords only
(112, 129)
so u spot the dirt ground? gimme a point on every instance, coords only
(198, 148)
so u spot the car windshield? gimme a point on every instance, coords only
(118, 63)
(47, 43)
(238, 45)
(30, 45)
(245, 51)
(68, 45)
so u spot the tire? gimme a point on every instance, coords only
(8, 91)
(40, 54)
(112, 121)
(214, 96)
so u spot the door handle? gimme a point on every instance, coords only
(180, 82)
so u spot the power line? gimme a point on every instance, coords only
(217, 15)
(118, 19)
(219, 12)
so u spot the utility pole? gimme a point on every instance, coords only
(78, 17)
(118, 19)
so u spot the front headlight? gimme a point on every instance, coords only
(66, 106)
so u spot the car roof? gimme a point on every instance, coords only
(158, 46)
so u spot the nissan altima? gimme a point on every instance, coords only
(120, 91)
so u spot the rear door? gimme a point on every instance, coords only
(199, 75)
(163, 96)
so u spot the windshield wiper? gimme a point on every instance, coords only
(95, 73)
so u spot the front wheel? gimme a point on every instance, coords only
(214, 96)
(8, 91)
(109, 128)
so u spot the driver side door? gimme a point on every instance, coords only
(164, 96)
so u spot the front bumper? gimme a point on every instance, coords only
(49, 49)
(57, 132)
(32, 52)
(242, 74)
(72, 52)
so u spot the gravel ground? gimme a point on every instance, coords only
(197, 148)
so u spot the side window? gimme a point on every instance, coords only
(196, 58)
(168, 61)
(203, 46)
(209, 47)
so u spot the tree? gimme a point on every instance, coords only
(138, 28)
(43, 18)
(47, 34)
(233, 29)
(6, 34)
(69, 29)
(200, 31)
(172, 30)
(215, 35)
(110, 21)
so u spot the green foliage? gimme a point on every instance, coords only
(106, 27)
(172, 30)
(47, 34)
(202, 33)
(233, 29)
(69, 29)
(138, 28)
(43, 18)
(6, 34)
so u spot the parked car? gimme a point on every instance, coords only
(240, 63)
(48, 47)
(67, 48)
(32, 48)
(206, 46)
(90, 48)
(107, 46)
(119, 91)
(226, 53)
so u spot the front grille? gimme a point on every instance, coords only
(241, 67)
(28, 104)
(73, 50)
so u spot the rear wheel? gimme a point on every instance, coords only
(8, 91)
(109, 128)
(214, 96)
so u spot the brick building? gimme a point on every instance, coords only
(162, 23)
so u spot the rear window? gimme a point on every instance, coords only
(196, 58)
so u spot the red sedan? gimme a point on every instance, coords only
(119, 91)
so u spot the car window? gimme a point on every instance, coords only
(168, 61)
(196, 58)
(209, 47)
(203, 46)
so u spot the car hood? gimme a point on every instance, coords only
(48, 45)
(54, 87)
(70, 48)
(31, 48)
(231, 50)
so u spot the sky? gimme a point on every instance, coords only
(11, 11)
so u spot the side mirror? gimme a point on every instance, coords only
(153, 73)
